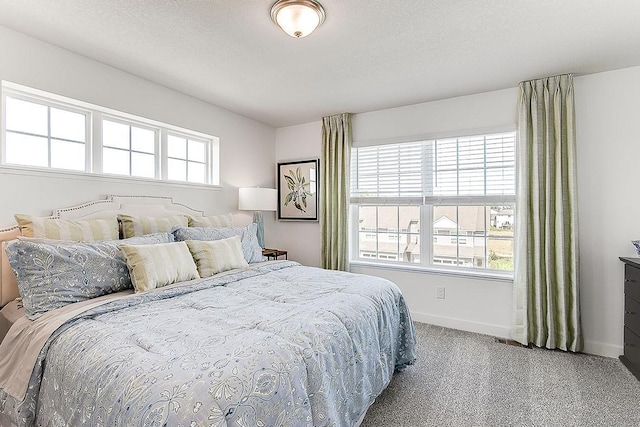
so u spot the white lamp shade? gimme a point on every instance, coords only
(257, 199)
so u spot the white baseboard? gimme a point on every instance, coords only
(463, 325)
(590, 347)
(602, 349)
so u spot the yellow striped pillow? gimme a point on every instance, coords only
(216, 256)
(88, 230)
(218, 221)
(155, 266)
(139, 225)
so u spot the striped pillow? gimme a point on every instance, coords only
(89, 230)
(138, 225)
(155, 266)
(211, 221)
(213, 257)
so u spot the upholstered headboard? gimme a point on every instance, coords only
(109, 207)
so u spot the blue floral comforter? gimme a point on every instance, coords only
(274, 345)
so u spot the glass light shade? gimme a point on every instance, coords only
(257, 199)
(297, 18)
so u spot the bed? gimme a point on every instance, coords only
(263, 344)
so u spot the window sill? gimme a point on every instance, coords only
(68, 174)
(472, 274)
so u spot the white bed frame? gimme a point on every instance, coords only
(109, 207)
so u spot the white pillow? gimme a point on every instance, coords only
(213, 257)
(211, 221)
(68, 229)
(138, 225)
(155, 266)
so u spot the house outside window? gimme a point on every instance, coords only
(446, 203)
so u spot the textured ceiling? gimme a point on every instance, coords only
(368, 55)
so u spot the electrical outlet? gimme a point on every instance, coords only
(440, 292)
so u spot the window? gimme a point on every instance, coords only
(128, 149)
(38, 134)
(453, 199)
(49, 131)
(187, 159)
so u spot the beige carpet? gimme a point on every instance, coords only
(466, 379)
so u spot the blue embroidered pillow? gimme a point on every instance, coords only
(53, 274)
(250, 247)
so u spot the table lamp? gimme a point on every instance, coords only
(258, 199)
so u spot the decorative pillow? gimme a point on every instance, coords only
(89, 230)
(138, 225)
(155, 266)
(52, 274)
(250, 246)
(147, 239)
(213, 257)
(211, 221)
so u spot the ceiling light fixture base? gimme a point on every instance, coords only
(298, 18)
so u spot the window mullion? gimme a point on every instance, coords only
(96, 143)
(50, 145)
(3, 126)
(426, 234)
(161, 158)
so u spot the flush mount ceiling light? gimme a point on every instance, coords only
(298, 18)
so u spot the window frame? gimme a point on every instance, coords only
(140, 125)
(34, 99)
(165, 159)
(426, 205)
(93, 133)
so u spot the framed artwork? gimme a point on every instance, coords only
(298, 184)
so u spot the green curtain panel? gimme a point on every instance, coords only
(334, 190)
(546, 288)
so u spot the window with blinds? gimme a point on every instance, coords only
(462, 188)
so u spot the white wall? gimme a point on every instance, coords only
(607, 114)
(300, 238)
(244, 143)
(471, 304)
(608, 135)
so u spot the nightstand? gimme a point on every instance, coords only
(274, 253)
(631, 356)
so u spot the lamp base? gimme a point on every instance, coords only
(259, 220)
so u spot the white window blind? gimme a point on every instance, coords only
(419, 172)
(389, 173)
(447, 203)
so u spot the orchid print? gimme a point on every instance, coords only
(299, 189)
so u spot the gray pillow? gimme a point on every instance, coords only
(250, 247)
(51, 275)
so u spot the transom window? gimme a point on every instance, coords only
(42, 135)
(437, 203)
(128, 149)
(48, 131)
(187, 159)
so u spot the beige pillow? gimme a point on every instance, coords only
(218, 221)
(88, 230)
(139, 225)
(216, 256)
(155, 266)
